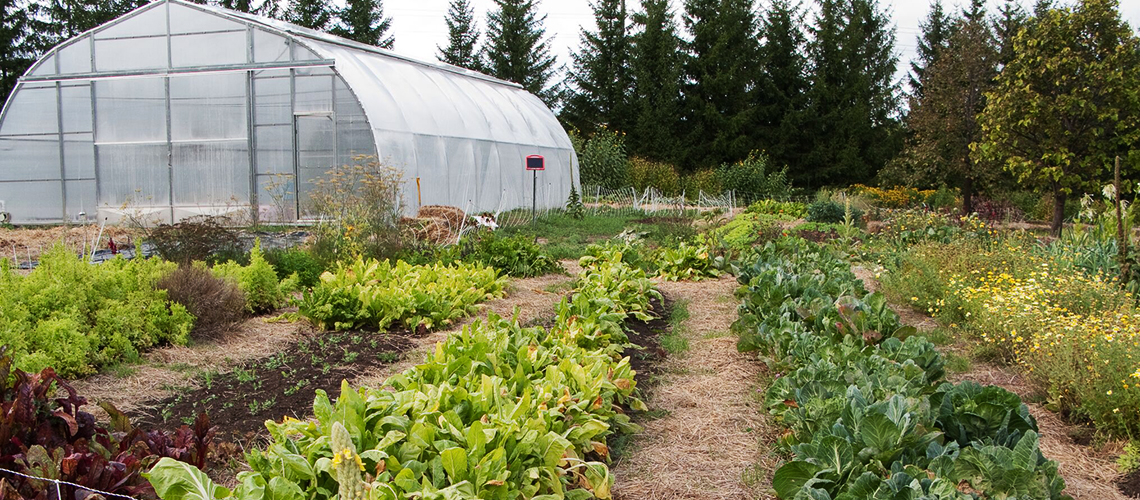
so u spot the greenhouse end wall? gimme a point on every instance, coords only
(177, 110)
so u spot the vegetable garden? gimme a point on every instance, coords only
(416, 375)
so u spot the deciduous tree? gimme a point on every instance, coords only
(1068, 101)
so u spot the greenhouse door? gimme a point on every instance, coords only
(315, 153)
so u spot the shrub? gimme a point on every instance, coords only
(701, 181)
(754, 178)
(77, 317)
(216, 303)
(192, 239)
(663, 177)
(602, 159)
(258, 281)
(295, 261)
(360, 208)
(793, 209)
(831, 212)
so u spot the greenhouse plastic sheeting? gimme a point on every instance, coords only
(178, 109)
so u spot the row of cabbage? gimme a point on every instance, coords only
(868, 410)
(497, 411)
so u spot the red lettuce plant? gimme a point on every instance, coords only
(44, 433)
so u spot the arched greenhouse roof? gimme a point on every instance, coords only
(179, 109)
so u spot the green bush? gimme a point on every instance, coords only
(754, 179)
(602, 159)
(831, 212)
(258, 281)
(517, 256)
(705, 181)
(288, 262)
(644, 174)
(795, 210)
(77, 317)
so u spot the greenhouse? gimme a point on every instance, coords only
(177, 110)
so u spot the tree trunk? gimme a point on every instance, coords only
(967, 196)
(1058, 212)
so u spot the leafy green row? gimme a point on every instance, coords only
(498, 411)
(684, 262)
(378, 294)
(866, 403)
(77, 317)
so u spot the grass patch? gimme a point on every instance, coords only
(567, 238)
(560, 287)
(956, 363)
(675, 341)
(121, 370)
(717, 335)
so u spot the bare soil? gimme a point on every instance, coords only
(284, 384)
(646, 355)
(710, 439)
(1090, 473)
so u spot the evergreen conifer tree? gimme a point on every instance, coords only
(1010, 19)
(933, 39)
(363, 21)
(853, 101)
(720, 71)
(16, 52)
(462, 37)
(783, 83)
(656, 66)
(600, 80)
(312, 14)
(517, 48)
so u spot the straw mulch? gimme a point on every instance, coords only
(25, 243)
(438, 224)
(1090, 474)
(714, 441)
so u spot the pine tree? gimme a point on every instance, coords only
(312, 14)
(16, 52)
(60, 20)
(238, 5)
(853, 101)
(600, 80)
(1011, 18)
(656, 66)
(783, 83)
(720, 71)
(975, 12)
(935, 35)
(462, 37)
(363, 21)
(518, 50)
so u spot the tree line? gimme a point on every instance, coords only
(1040, 98)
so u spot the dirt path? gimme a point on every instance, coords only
(1089, 474)
(708, 444)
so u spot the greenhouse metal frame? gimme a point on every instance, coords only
(178, 109)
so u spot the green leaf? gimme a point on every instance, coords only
(790, 478)
(455, 463)
(877, 431)
(174, 480)
(1025, 452)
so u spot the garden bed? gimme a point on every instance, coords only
(284, 384)
(646, 353)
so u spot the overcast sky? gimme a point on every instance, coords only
(419, 24)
